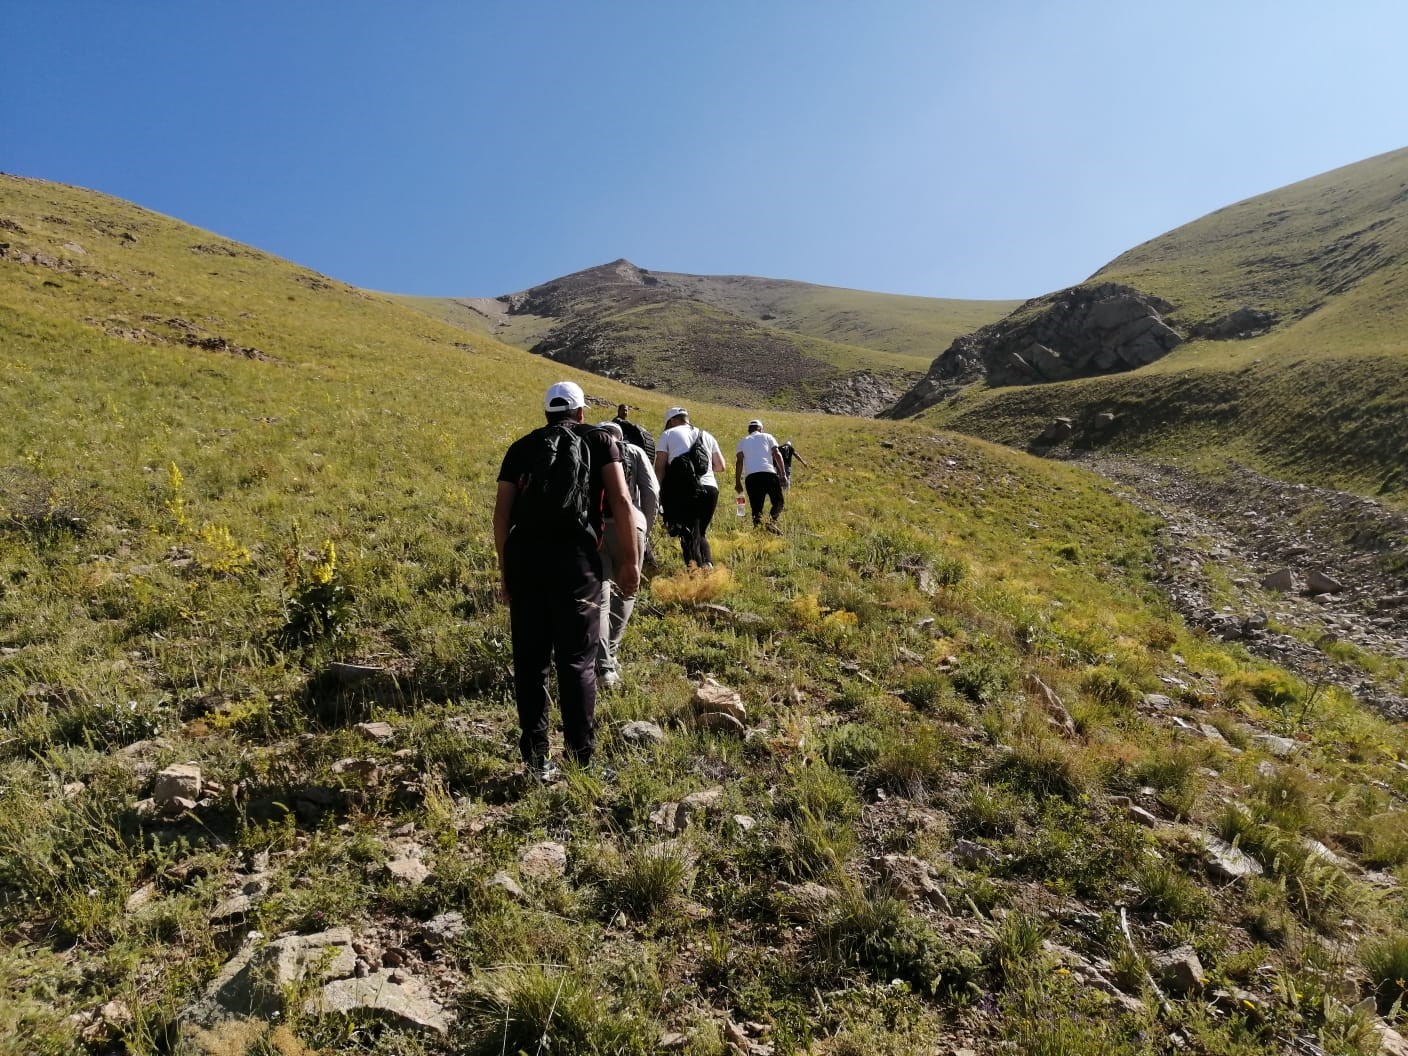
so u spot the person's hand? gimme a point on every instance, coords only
(628, 579)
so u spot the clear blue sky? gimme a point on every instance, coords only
(992, 148)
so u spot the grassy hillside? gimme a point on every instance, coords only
(908, 326)
(229, 474)
(1323, 395)
(734, 339)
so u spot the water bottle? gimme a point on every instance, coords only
(740, 506)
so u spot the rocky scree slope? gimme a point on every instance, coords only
(1291, 572)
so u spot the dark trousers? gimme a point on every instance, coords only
(762, 486)
(555, 616)
(694, 542)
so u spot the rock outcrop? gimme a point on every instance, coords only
(1078, 332)
(861, 394)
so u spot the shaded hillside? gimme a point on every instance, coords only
(982, 789)
(1294, 306)
(732, 338)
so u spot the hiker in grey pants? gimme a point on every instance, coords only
(616, 605)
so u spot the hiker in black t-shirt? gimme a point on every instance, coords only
(554, 486)
(788, 453)
(634, 432)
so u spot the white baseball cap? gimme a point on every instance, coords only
(675, 412)
(754, 422)
(564, 396)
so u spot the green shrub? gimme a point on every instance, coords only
(643, 883)
(989, 810)
(851, 747)
(1385, 840)
(1165, 890)
(536, 1009)
(1110, 687)
(982, 677)
(1045, 767)
(1288, 799)
(1174, 777)
(1070, 853)
(923, 689)
(1016, 945)
(813, 848)
(817, 791)
(1272, 689)
(913, 761)
(1386, 961)
(880, 936)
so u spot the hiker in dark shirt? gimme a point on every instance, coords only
(634, 432)
(550, 571)
(788, 453)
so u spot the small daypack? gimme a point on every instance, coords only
(698, 455)
(555, 493)
(682, 475)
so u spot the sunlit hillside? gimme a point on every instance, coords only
(1322, 391)
(987, 791)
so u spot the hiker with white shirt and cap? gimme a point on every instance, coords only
(758, 467)
(686, 459)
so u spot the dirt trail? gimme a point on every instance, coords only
(1220, 538)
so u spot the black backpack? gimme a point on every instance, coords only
(683, 473)
(638, 435)
(556, 492)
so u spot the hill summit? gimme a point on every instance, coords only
(739, 339)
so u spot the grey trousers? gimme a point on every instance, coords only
(616, 608)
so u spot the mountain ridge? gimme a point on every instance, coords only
(1290, 309)
(742, 339)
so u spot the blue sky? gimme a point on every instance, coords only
(1001, 148)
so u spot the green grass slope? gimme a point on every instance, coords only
(734, 339)
(226, 474)
(909, 326)
(1323, 395)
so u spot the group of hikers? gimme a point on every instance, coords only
(573, 515)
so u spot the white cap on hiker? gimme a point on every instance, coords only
(755, 424)
(675, 412)
(564, 396)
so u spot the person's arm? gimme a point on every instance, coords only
(800, 459)
(717, 461)
(738, 471)
(503, 517)
(618, 501)
(647, 487)
(661, 461)
(778, 464)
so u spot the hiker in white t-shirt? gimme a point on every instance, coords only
(759, 468)
(689, 491)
